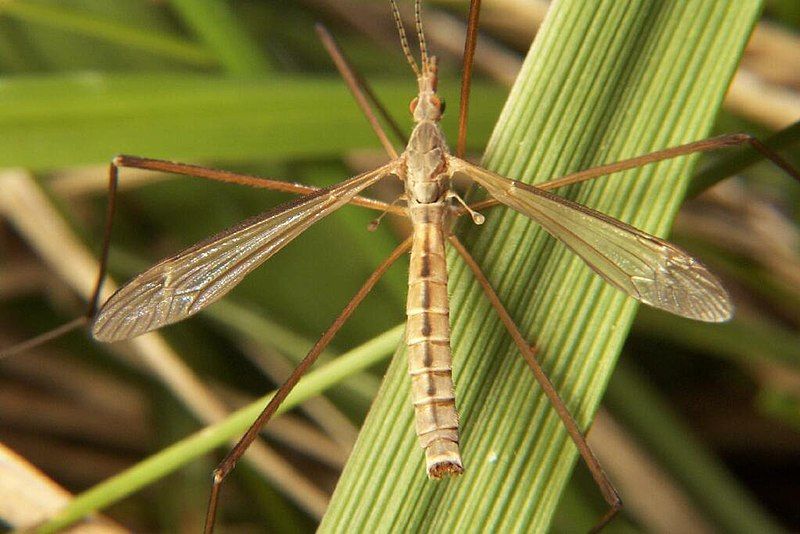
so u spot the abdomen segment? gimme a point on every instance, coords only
(428, 338)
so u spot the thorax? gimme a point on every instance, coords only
(427, 179)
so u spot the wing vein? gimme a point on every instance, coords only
(642, 265)
(190, 280)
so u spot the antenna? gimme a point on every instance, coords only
(404, 39)
(423, 48)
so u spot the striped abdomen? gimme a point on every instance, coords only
(428, 338)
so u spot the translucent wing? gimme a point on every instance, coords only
(187, 282)
(643, 266)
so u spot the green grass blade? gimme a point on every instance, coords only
(245, 324)
(740, 160)
(604, 81)
(59, 121)
(709, 485)
(216, 25)
(111, 32)
(750, 340)
(168, 460)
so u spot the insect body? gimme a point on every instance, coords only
(426, 173)
(643, 266)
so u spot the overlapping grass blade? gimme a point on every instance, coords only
(604, 81)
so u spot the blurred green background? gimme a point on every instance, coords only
(246, 86)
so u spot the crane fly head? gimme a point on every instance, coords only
(428, 105)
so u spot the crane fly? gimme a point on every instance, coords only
(643, 266)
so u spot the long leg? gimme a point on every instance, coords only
(364, 96)
(37, 220)
(466, 75)
(705, 145)
(41, 339)
(136, 162)
(362, 92)
(113, 182)
(606, 488)
(198, 171)
(229, 462)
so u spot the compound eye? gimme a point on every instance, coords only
(413, 106)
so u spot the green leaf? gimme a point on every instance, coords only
(75, 21)
(708, 484)
(168, 460)
(603, 81)
(216, 24)
(57, 121)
